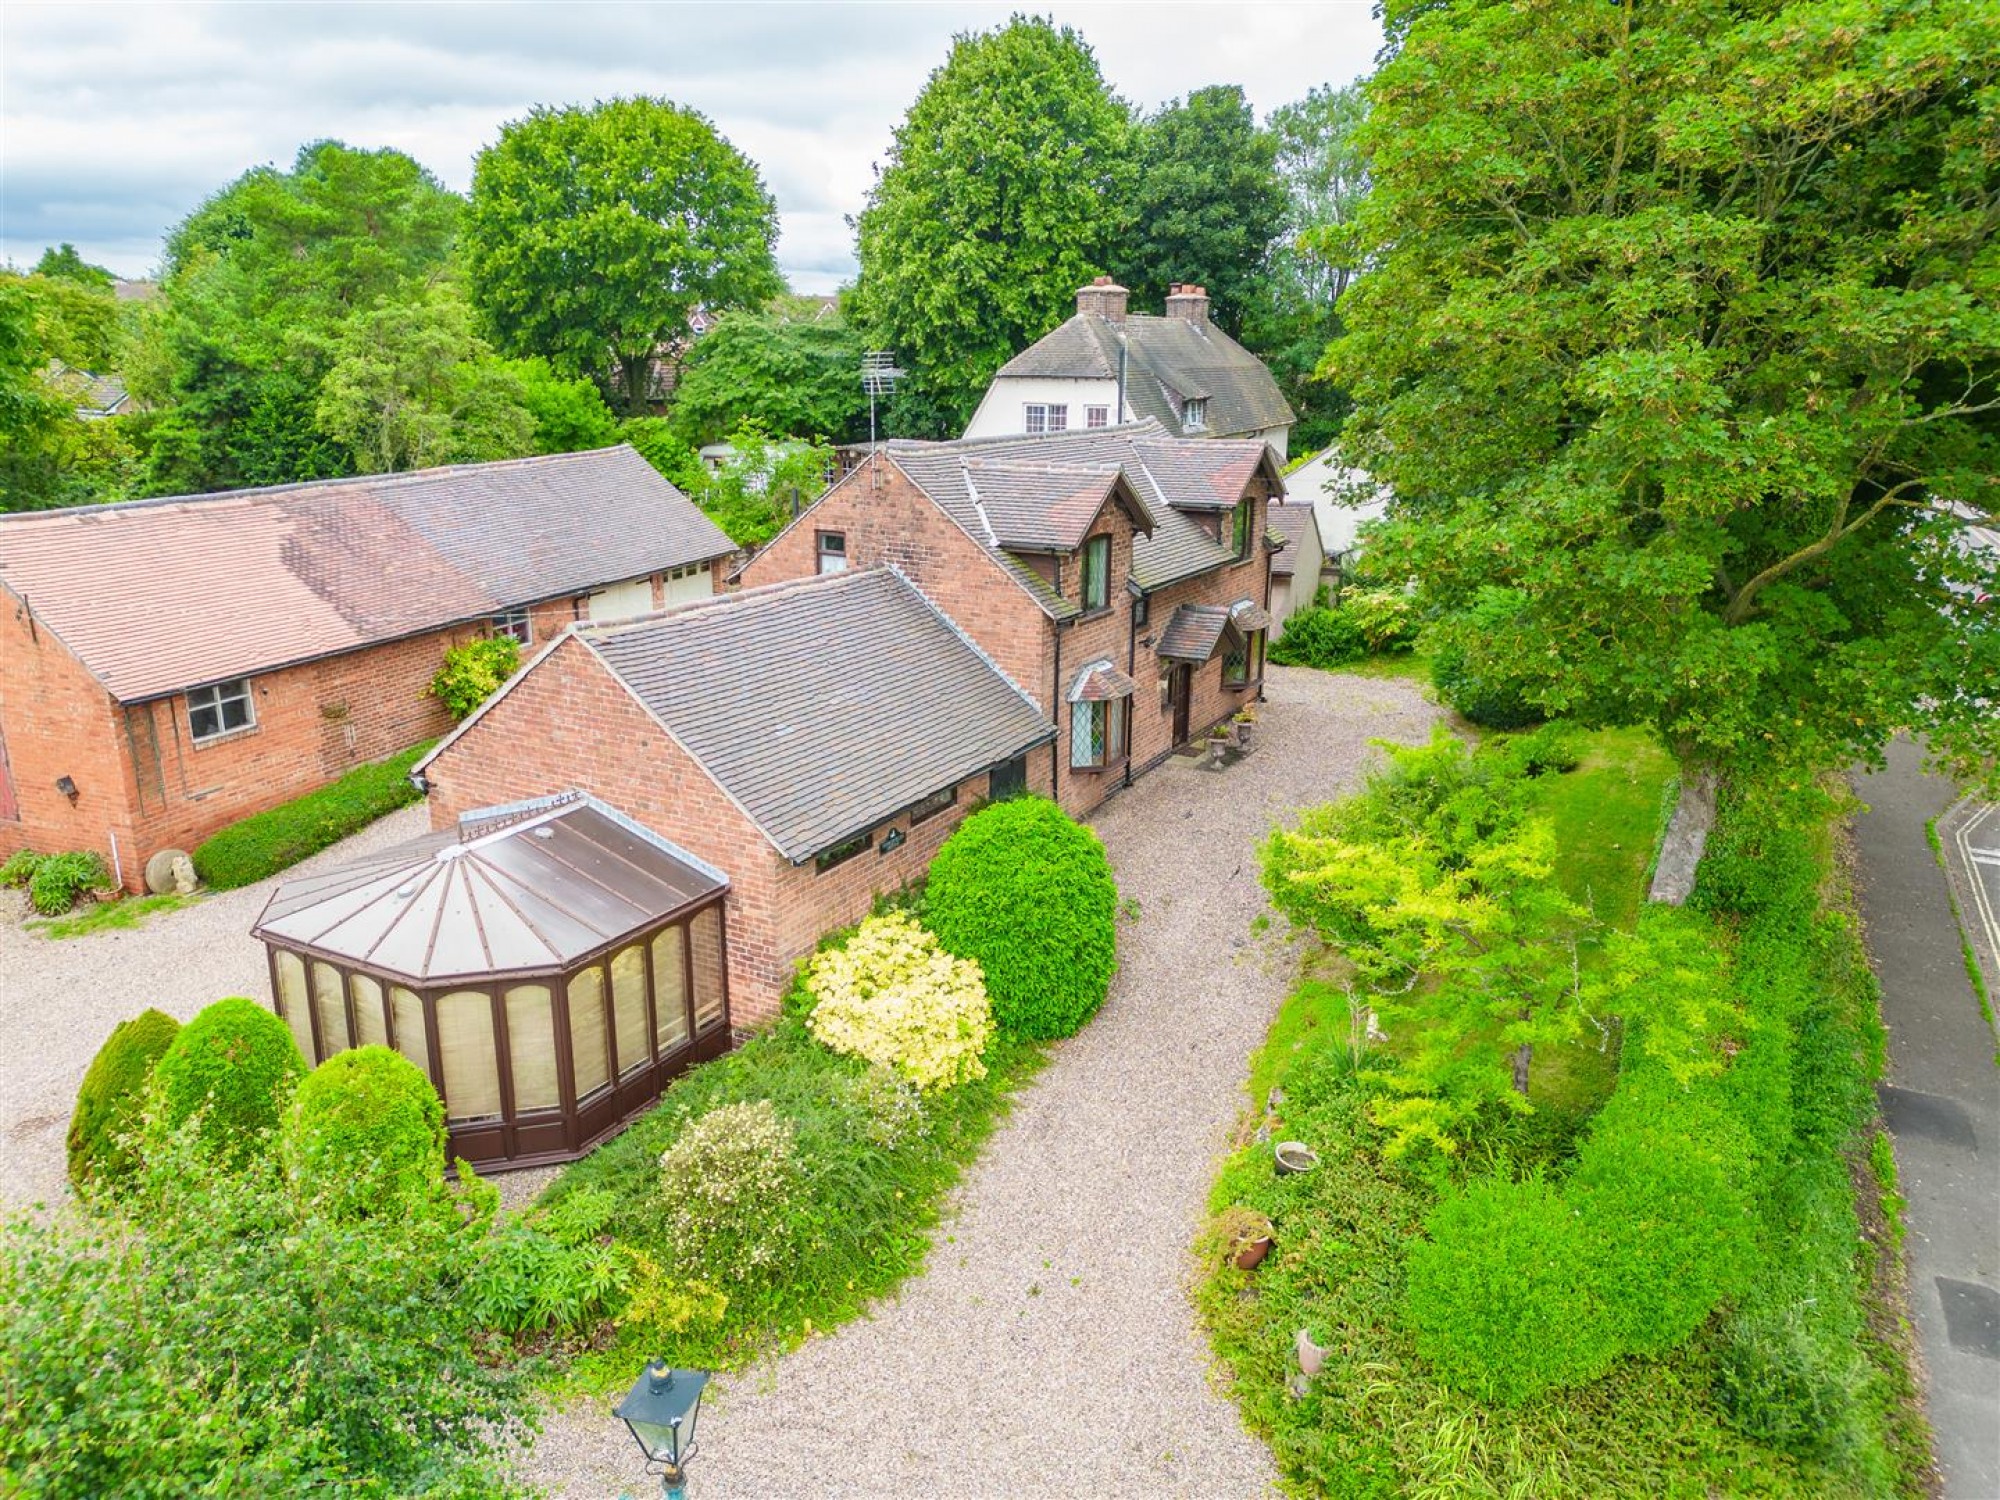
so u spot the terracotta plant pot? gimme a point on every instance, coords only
(1250, 1254)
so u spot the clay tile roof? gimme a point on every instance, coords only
(1032, 507)
(826, 705)
(1193, 632)
(533, 891)
(1100, 681)
(1170, 475)
(156, 596)
(1169, 361)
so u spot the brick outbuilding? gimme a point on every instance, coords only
(170, 666)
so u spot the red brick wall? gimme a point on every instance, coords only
(57, 720)
(887, 519)
(551, 733)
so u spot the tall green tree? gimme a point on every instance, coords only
(65, 261)
(1007, 188)
(594, 233)
(52, 327)
(1206, 204)
(259, 283)
(798, 376)
(1681, 323)
(1314, 260)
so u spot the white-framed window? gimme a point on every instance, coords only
(1097, 416)
(220, 708)
(832, 551)
(1194, 415)
(514, 624)
(1097, 733)
(1041, 416)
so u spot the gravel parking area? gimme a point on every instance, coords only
(1050, 1346)
(59, 1000)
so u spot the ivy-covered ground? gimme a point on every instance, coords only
(1791, 1384)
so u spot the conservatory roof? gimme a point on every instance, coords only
(530, 888)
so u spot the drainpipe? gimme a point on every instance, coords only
(1055, 703)
(1121, 377)
(1131, 670)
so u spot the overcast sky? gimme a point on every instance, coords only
(117, 119)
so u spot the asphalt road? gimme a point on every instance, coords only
(1972, 843)
(1942, 1104)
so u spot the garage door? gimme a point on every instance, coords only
(622, 600)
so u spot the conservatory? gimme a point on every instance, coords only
(550, 966)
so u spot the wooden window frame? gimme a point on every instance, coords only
(518, 625)
(215, 704)
(1115, 737)
(822, 550)
(1094, 547)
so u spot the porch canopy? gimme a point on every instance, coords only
(550, 966)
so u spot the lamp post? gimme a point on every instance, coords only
(660, 1409)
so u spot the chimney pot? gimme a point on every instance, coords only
(1103, 297)
(1189, 303)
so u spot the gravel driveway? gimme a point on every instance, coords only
(59, 1000)
(1050, 1347)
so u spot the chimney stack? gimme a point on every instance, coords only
(1190, 303)
(1104, 297)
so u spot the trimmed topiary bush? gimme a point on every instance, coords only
(892, 996)
(364, 1136)
(238, 1062)
(112, 1101)
(1502, 1295)
(1026, 892)
(278, 838)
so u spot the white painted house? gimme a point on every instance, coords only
(1105, 366)
(1331, 488)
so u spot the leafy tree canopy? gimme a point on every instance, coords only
(48, 455)
(593, 233)
(795, 375)
(1206, 204)
(1681, 323)
(1006, 189)
(64, 261)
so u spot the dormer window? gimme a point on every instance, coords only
(1194, 414)
(1097, 573)
(1097, 416)
(1043, 417)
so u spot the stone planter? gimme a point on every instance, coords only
(1216, 746)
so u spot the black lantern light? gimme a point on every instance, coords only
(660, 1409)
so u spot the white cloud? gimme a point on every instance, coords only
(117, 119)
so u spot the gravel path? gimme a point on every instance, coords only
(59, 1000)
(1050, 1347)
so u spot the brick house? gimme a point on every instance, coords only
(1105, 366)
(1120, 577)
(814, 741)
(170, 666)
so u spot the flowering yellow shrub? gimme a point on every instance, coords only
(894, 997)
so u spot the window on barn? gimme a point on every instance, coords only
(833, 552)
(840, 854)
(218, 709)
(934, 804)
(514, 624)
(1097, 733)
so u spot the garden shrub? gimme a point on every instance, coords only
(728, 1183)
(1319, 637)
(1470, 664)
(891, 995)
(59, 879)
(1660, 1189)
(267, 842)
(20, 867)
(1556, 746)
(112, 1101)
(473, 671)
(1026, 892)
(554, 1272)
(236, 1063)
(365, 1136)
(1501, 1296)
(1385, 617)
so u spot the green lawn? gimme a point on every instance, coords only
(1607, 815)
(108, 916)
(1407, 664)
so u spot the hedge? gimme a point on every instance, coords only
(236, 1060)
(113, 1098)
(267, 842)
(1027, 893)
(364, 1136)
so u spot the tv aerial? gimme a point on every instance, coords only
(879, 374)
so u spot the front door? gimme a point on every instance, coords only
(1179, 691)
